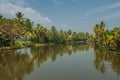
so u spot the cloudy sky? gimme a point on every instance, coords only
(78, 15)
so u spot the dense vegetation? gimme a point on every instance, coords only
(21, 31)
(106, 38)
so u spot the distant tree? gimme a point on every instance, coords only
(55, 37)
(19, 16)
(69, 32)
(28, 25)
(1, 16)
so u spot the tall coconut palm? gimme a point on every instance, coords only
(99, 31)
(96, 30)
(19, 16)
(102, 26)
(1, 16)
(112, 42)
(28, 24)
(42, 33)
(54, 35)
(38, 32)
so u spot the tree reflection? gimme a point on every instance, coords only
(15, 64)
(102, 56)
(41, 54)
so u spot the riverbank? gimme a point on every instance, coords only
(29, 45)
(9, 48)
(33, 45)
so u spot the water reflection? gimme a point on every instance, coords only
(102, 56)
(41, 54)
(15, 64)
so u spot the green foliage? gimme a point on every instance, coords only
(23, 43)
(21, 27)
(106, 38)
(19, 43)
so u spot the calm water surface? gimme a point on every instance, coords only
(60, 62)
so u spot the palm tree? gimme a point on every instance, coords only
(99, 31)
(1, 16)
(19, 16)
(38, 32)
(116, 33)
(11, 29)
(54, 35)
(96, 30)
(42, 33)
(28, 29)
(112, 42)
(102, 26)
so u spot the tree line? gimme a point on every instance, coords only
(12, 29)
(106, 38)
(21, 28)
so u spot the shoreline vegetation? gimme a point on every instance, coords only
(105, 38)
(20, 32)
(35, 45)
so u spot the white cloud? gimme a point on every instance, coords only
(65, 26)
(48, 20)
(111, 16)
(9, 9)
(17, 2)
(56, 2)
(103, 8)
(115, 5)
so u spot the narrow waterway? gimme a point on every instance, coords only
(60, 62)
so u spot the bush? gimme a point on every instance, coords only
(24, 43)
(19, 43)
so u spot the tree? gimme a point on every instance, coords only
(42, 34)
(69, 32)
(1, 17)
(11, 29)
(28, 25)
(63, 36)
(19, 16)
(55, 37)
(99, 31)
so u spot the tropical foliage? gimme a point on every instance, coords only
(106, 38)
(21, 28)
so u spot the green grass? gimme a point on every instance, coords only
(23, 43)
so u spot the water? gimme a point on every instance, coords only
(60, 62)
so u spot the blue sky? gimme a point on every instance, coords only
(78, 15)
